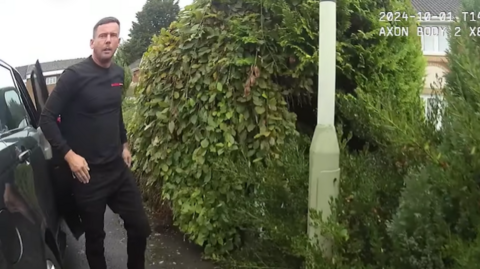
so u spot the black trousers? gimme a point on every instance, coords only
(112, 185)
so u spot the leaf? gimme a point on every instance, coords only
(164, 168)
(195, 27)
(194, 119)
(262, 84)
(171, 127)
(229, 138)
(219, 87)
(204, 143)
(260, 110)
(265, 134)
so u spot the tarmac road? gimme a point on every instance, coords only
(165, 251)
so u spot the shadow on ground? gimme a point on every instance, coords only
(167, 249)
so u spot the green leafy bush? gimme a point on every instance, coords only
(211, 86)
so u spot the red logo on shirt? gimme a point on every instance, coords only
(117, 84)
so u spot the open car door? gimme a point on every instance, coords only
(40, 94)
(39, 87)
(59, 170)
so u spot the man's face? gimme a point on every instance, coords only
(106, 41)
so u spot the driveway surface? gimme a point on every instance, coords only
(165, 250)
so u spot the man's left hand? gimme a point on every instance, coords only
(127, 156)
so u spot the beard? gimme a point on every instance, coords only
(104, 57)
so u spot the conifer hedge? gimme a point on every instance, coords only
(438, 222)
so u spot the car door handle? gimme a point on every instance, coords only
(24, 156)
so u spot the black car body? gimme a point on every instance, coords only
(30, 232)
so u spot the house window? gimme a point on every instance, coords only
(51, 80)
(434, 39)
(432, 103)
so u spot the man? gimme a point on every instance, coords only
(92, 139)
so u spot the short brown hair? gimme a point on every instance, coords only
(103, 21)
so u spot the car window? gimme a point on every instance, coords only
(12, 111)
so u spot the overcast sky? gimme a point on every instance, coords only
(50, 30)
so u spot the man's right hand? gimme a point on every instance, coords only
(79, 166)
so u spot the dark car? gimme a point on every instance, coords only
(30, 232)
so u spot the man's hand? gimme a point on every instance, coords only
(127, 156)
(79, 166)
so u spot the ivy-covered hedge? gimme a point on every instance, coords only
(212, 84)
(222, 89)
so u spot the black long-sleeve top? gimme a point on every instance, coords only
(89, 99)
